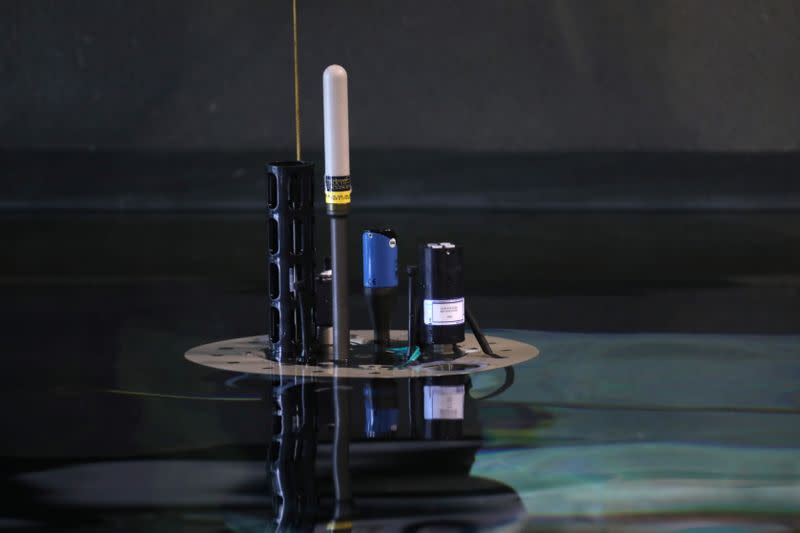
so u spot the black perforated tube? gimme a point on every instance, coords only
(290, 208)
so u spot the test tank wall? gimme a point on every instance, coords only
(551, 105)
(474, 75)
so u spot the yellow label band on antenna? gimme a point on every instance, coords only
(338, 525)
(337, 189)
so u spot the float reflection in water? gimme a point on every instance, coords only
(413, 444)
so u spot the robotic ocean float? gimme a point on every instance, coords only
(333, 384)
(309, 316)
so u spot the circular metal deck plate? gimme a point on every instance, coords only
(246, 354)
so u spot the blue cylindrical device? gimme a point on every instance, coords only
(379, 253)
(379, 249)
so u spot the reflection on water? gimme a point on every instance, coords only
(601, 432)
(658, 429)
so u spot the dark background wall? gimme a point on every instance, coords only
(463, 75)
(133, 136)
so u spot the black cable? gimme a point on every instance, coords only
(479, 336)
(411, 270)
(487, 349)
(509, 380)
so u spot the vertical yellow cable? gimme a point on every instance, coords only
(296, 82)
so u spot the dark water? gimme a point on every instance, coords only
(663, 404)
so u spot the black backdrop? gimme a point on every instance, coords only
(561, 142)
(460, 75)
(146, 105)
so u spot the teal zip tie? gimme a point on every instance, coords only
(414, 356)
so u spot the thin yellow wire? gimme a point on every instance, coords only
(181, 396)
(296, 82)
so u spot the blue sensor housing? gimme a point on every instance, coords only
(379, 252)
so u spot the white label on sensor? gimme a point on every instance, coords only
(444, 403)
(443, 312)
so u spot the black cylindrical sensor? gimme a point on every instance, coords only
(290, 209)
(441, 278)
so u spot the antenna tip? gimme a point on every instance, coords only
(335, 73)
